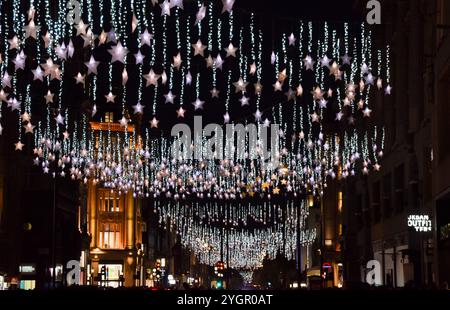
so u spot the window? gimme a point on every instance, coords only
(27, 284)
(109, 117)
(110, 201)
(110, 236)
(339, 202)
(110, 274)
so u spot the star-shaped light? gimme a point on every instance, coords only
(200, 14)
(365, 69)
(49, 67)
(290, 94)
(226, 118)
(209, 61)
(308, 63)
(317, 93)
(124, 76)
(70, 49)
(252, 68)
(198, 104)
(81, 28)
(66, 135)
(14, 104)
(139, 58)
(314, 118)
(218, 62)
(94, 110)
(19, 61)
(134, 23)
(138, 108)
(31, 12)
(177, 61)
(14, 43)
(92, 65)
(323, 103)
(227, 6)
(266, 123)
(31, 30)
(258, 88)
(292, 40)
(118, 53)
(188, 78)
(258, 115)
(165, 8)
(325, 62)
(3, 96)
(123, 122)
(19, 146)
(49, 97)
(244, 101)
(376, 167)
(379, 83)
(299, 90)
(29, 128)
(273, 58)
(146, 38)
(154, 123)
(214, 93)
(231, 50)
(346, 60)
(367, 112)
(61, 51)
(6, 80)
(360, 104)
(277, 86)
(110, 97)
(370, 79)
(170, 97)
(176, 3)
(79, 78)
(25, 117)
(339, 116)
(199, 48)
(152, 78)
(240, 85)
(59, 119)
(180, 112)
(388, 90)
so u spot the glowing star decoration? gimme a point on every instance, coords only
(379, 83)
(79, 78)
(199, 48)
(3, 96)
(277, 86)
(49, 97)
(110, 97)
(66, 135)
(367, 112)
(299, 90)
(70, 49)
(244, 101)
(151, 78)
(292, 40)
(376, 167)
(317, 93)
(258, 115)
(388, 90)
(240, 86)
(14, 43)
(124, 76)
(14, 104)
(227, 6)
(163, 78)
(370, 79)
(200, 14)
(230, 50)
(102, 38)
(29, 128)
(309, 63)
(81, 28)
(198, 104)
(180, 112)
(209, 61)
(61, 51)
(266, 123)
(339, 116)
(325, 62)
(59, 119)
(92, 65)
(177, 61)
(19, 146)
(314, 118)
(94, 110)
(31, 30)
(139, 58)
(31, 13)
(1, 129)
(226, 118)
(138, 108)
(323, 103)
(165, 8)
(118, 53)
(176, 3)
(123, 122)
(364, 69)
(154, 123)
(49, 67)
(170, 97)
(258, 88)
(134, 23)
(6, 80)
(214, 93)
(273, 58)
(146, 38)
(252, 69)
(19, 61)
(188, 78)
(218, 62)
(346, 60)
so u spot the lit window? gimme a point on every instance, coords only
(109, 117)
(340, 201)
(110, 236)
